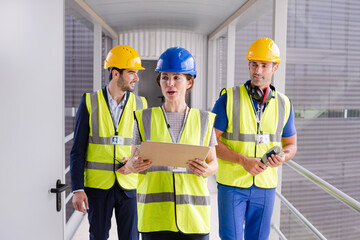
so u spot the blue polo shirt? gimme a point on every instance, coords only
(221, 120)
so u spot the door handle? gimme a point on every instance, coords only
(59, 188)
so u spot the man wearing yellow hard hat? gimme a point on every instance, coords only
(256, 134)
(100, 180)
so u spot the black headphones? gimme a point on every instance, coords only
(258, 94)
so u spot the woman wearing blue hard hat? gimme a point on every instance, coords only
(174, 203)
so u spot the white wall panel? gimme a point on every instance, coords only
(151, 43)
(32, 119)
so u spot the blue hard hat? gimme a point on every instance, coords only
(177, 60)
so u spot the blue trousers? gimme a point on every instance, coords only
(101, 206)
(250, 206)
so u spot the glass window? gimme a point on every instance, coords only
(78, 80)
(107, 45)
(322, 81)
(245, 36)
(79, 41)
(222, 63)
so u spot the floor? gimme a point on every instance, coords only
(82, 232)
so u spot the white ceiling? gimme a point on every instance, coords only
(200, 16)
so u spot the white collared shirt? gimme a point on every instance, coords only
(115, 108)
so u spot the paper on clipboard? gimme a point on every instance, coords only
(171, 154)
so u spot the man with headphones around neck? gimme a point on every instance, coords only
(251, 119)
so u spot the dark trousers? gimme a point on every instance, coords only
(166, 235)
(101, 206)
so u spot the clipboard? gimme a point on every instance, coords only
(171, 154)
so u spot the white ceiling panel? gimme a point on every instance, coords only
(200, 16)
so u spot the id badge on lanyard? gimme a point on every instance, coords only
(262, 138)
(117, 140)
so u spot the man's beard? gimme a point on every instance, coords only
(125, 88)
(128, 89)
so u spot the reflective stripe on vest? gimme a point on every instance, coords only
(100, 166)
(240, 135)
(182, 201)
(164, 168)
(169, 197)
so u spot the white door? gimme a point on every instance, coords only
(32, 118)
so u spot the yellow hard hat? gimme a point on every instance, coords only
(123, 57)
(264, 49)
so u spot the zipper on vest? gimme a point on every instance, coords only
(257, 131)
(114, 164)
(176, 223)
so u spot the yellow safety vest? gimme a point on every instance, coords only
(171, 201)
(240, 134)
(100, 165)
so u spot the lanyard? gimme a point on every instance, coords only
(169, 127)
(259, 114)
